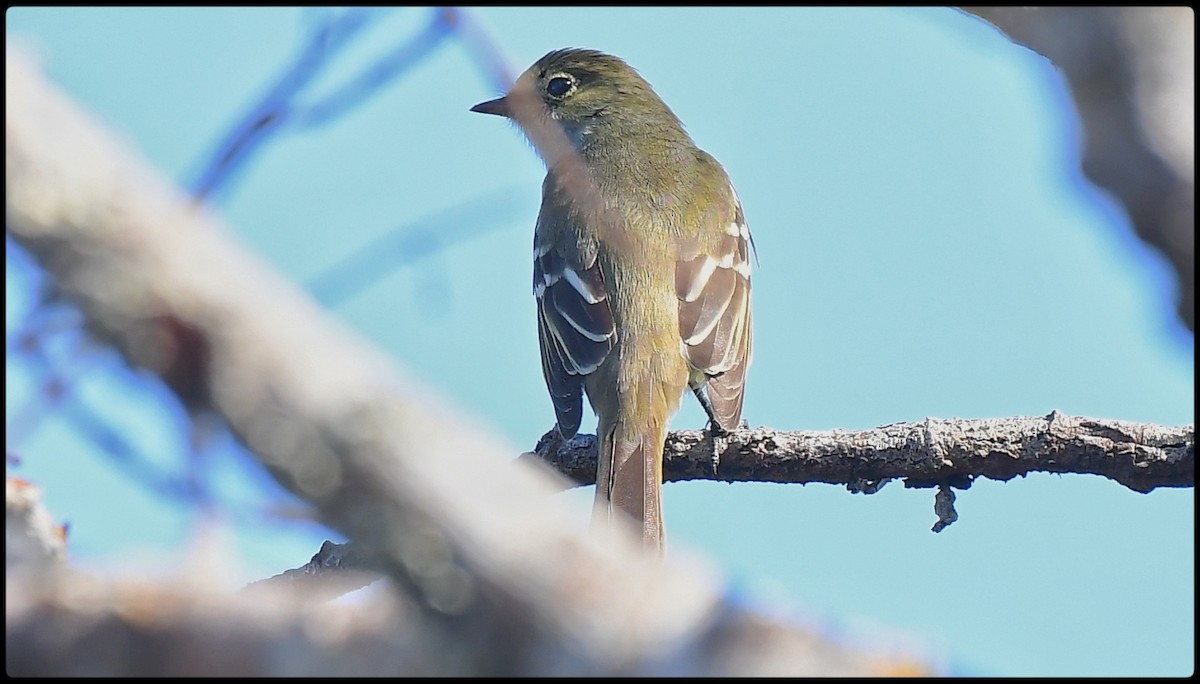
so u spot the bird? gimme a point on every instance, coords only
(641, 271)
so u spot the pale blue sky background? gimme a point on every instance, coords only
(927, 247)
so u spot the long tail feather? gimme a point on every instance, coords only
(629, 476)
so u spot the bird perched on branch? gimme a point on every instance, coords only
(640, 268)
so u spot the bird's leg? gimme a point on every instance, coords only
(714, 429)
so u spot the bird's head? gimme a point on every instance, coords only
(582, 91)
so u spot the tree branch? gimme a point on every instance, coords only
(31, 536)
(335, 569)
(1131, 74)
(931, 453)
(74, 625)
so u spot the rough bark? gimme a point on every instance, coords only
(930, 453)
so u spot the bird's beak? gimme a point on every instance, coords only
(498, 106)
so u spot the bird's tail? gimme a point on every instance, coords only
(629, 477)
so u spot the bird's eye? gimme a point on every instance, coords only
(558, 87)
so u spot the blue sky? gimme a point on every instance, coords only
(927, 247)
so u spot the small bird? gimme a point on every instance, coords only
(640, 269)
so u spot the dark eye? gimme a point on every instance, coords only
(558, 86)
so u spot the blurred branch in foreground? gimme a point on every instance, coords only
(31, 536)
(415, 240)
(280, 106)
(1131, 72)
(59, 379)
(331, 33)
(501, 582)
(330, 37)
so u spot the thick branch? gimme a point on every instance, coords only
(1131, 72)
(71, 625)
(934, 452)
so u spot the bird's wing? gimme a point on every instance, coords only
(712, 283)
(575, 326)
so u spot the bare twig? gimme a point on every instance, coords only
(415, 240)
(325, 40)
(380, 73)
(281, 105)
(485, 51)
